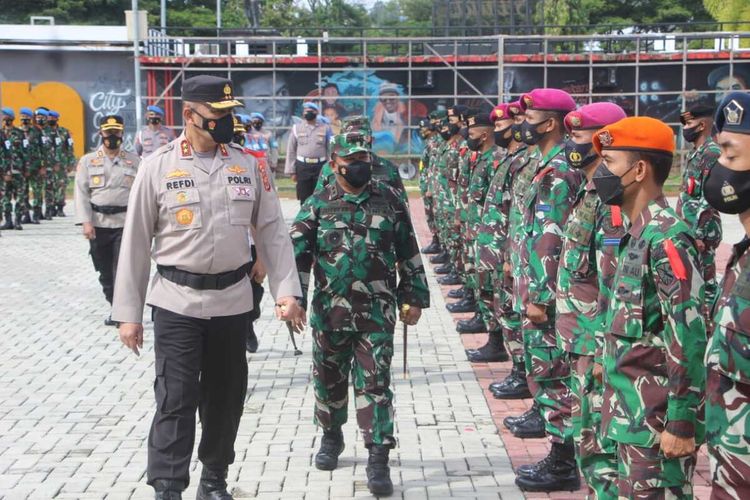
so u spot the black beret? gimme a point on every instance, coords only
(733, 114)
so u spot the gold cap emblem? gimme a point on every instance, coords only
(605, 139)
(733, 113)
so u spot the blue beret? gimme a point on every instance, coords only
(41, 111)
(257, 116)
(311, 105)
(733, 114)
(155, 109)
(54, 114)
(26, 111)
(9, 112)
(244, 119)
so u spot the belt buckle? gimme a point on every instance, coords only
(210, 282)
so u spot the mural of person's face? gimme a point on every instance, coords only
(262, 87)
(390, 101)
(729, 84)
(331, 114)
(331, 91)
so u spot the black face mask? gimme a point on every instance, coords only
(8, 122)
(726, 190)
(445, 134)
(579, 155)
(221, 129)
(530, 133)
(474, 144)
(154, 120)
(111, 141)
(357, 173)
(517, 132)
(239, 139)
(40, 121)
(609, 186)
(453, 128)
(52, 123)
(691, 134)
(309, 115)
(257, 125)
(464, 132)
(26, 121)
(500, 139)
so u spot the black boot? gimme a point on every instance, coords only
(458, 293)
(441, 258)
(53, 211)
(331, 447)
(18, 225)
(467, 304)
(213, 485)
(378, 472)
(473, 325)
(251, 342)
(168, 490)
(37, 217)
(491, 352)
(26, 219)
(8, 221)
(444, 269)
(60, 212)
(556, 472)
(450, 279)
(47, 213)
(530, 427)
(433, 247)
(514, 386)
(510, 422)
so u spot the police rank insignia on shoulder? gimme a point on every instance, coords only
(185, 148)
(177, 174)
(236, 170)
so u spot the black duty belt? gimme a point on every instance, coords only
(204, 281)
(108, 209)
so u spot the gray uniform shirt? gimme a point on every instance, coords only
(196, 215)
(104, 181)
(308, 141)
(147, 140)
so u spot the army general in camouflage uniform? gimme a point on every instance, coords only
(654, 377)
(727, 189)
(354, 235)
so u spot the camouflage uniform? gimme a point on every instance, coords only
(383, 170)
(552, 193)
(584, 280)
(39, 147)
(354, 244)
(65, 157)
(653, 371)
(15, 189)
(448, 164)
(703, 220)
(426, 173)
(728, 384)
(466, 161)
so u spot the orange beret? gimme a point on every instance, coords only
(637, 133)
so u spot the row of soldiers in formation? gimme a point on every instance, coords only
(35, 159)
(554, 220)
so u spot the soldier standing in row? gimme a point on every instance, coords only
(307, 151)
(727, 189)
(429, 130)
(154, 135)
(14, 182)
(192, 206)
(103, 181)
(32, 145)
(354, 235)
(654, 376)
(65, 157)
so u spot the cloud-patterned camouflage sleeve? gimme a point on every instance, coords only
(304, 232)
(703, 220)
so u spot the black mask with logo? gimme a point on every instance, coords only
(357, 173)
(517, 133)
(111, 141)
(530, 133)
(728, 191)
(220, 129)
(579, 155)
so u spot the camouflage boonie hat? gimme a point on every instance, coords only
(349, 143)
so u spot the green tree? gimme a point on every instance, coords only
(730, 11)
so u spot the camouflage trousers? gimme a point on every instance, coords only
(62, 187)
(507, 317)
(15, 190)
(56, 184)
(595, 452)
(368, 357)
(486, 302)
(37, 184)
(644, 474)
(547, 373)
(728, 428)
(429, 211)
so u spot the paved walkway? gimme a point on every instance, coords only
(75, 406)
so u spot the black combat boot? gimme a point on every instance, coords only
(510, 422)
(441, 258)
(514, 386)
(17, 226)
(168, 490)
(47, 213)
(556, 472)
(433, 247)
(60, 211)
(473, 325)
(378, 472)
(467, 304)
(26, 219)
(331, 447)
(37, 215)
(458, 293)
(251, 342)
(8, 221)
(491, 352)
(450, 279)
(213, 485)
(444, 269)
(531, 426)
(53, 210)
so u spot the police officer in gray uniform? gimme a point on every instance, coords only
(307, 151)
(193, 204)
(154, 135)
(103, 182)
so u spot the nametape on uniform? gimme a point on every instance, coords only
(239, 179)
(678, 268)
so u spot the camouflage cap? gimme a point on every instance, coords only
(349, 143)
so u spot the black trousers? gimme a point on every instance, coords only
(307, 178)
(200, 365)
(105, 251)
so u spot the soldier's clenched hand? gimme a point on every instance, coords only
(411, 315)
(674, 446)
(131, 335)
(88, 231)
